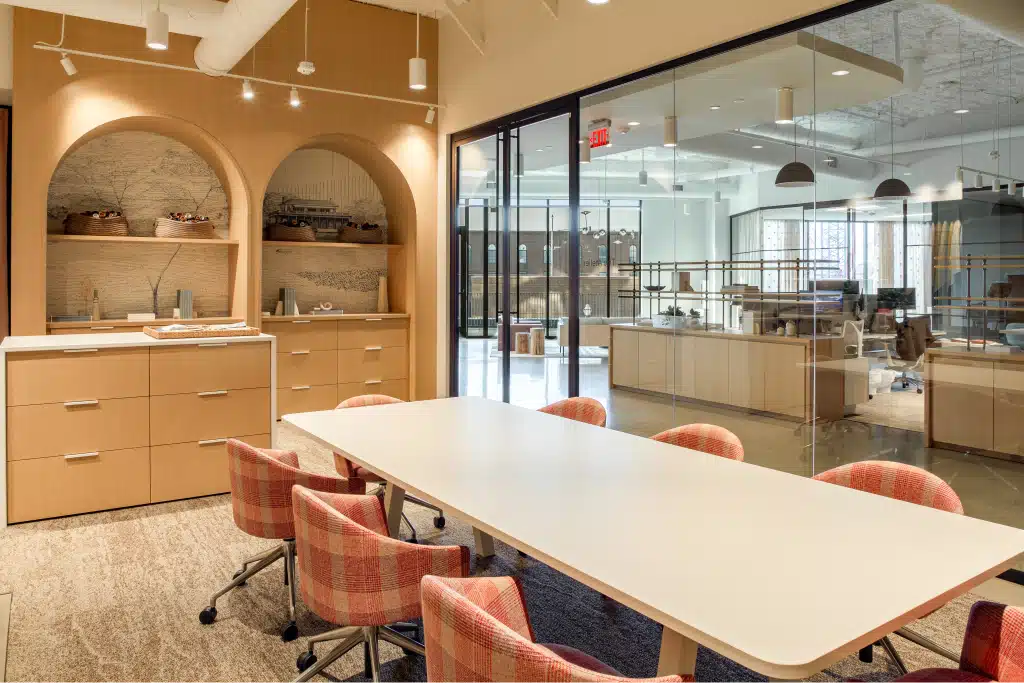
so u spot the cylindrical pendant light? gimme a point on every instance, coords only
(643, 170)
(892, 187)
(69, 67)
(417, 65)
(293, 98)
(643, 178)
(247, 93)
(584, 151)
(671, 134)
(157, 29)
(784, 106)
(1012, 190)
(796, 173)
(979, 180)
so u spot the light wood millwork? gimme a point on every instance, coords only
(57, 429)
(372, 363)
(306, 398)
(626, 345)
(101, 421)
(652, 372)
(396, 388)
(711, 370)
(683, 367)
(69, 485)
(95, 328)
(307, 368)
(189, 470)
(303, 335)
(1008, 421)
(373, 332)
(77, 374)
(87, 326)
(785, 380)
(747, 374)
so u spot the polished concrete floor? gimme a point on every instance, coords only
(990, 489)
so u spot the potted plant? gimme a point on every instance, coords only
(672, 317)
(694, 320)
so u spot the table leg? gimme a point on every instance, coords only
(484, 543)
(394, 497)
(678, 654)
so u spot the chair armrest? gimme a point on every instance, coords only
(994, 642)
(366, 511)
(290, 458)
(499, 596)
(318, 482)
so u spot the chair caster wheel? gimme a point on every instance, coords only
(236, 575)
(920, 391)
(208, 615)
(439, 522)
(290, 632)
(305, 660)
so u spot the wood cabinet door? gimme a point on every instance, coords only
(652, 370)
(681, 353)
(961, 402)
(711, 369)
(1008, 427)
(785, 389)
(625, 360)
(746, 374)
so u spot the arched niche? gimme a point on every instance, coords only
(187, 163)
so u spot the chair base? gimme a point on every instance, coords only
(254, 565)
(439, 520)
(310, 665)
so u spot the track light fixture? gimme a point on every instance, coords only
(247, 93)
(430, 116)
(157, 29)
(293, 98)
(69, 67)
(417, 65)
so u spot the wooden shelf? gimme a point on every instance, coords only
(139, 240)
(121, 322)
(330, 245)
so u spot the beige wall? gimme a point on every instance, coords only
(355, 46)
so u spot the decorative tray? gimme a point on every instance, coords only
(200, 331)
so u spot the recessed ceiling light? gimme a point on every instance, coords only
(598, 2)
(841, 72)
(739, 100)
(715, 107)
(908, 173)
(758, 147)
(962, 111)
(540, 149)
(634, 123)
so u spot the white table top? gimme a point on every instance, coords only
(780, 573)
(111, 340)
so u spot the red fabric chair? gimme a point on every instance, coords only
(351, 572)
(353, 471)
(478, 630)
(261, 503)
(911, 485)
(580, 409)
(993, 647)
(705, 438)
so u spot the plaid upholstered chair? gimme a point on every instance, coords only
(709, 439)
(261, 502)
(911, 485)
(351, 470)
(478, 630)
(993, 647)
(351, 572)
(580, 409)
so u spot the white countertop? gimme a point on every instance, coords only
(113, 340)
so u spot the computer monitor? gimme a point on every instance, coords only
(847, 287)
(896, 298)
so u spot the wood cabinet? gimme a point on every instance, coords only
(711, 369)
(653, 369)
(961, 402)
(683, 366)
(626, 349)
(747, 374)
(105, 427)
(323, 362)
(1008, 416)
(785, 379)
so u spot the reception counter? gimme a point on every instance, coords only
(762, 373)
(974, 400)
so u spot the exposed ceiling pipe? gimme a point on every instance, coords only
(187, 17)
(239, 27)
(828, 139)
(942, 142)
(1002, 17)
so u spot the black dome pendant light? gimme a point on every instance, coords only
(795, 173)
(893, 187)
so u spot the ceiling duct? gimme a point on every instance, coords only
(239, 27)
(1002, 17)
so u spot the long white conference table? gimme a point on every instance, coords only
(778, 572)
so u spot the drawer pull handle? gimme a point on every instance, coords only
(374, 348)
(213, 442)
(81, 350)
(302, 388)
(102, 327)
(218, 345)
(300, 353)
(82, 456)
(301, 322)
(206, 394)
(374, 381)
(76, 404)
(375, 320)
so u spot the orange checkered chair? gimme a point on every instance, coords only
(478, 630)
(261, 503)
(993, 648)
(911, 485)
(351, 470)
(705, 438)
(580, 409)
(351, 572)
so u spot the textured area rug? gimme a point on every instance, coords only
(116, 596)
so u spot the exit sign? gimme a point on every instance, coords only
(599, 137)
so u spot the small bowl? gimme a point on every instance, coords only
(654, 288)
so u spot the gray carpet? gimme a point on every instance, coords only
(116, 596)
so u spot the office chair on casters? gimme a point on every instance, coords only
(912, 340)
(352, 471)
(853, 338)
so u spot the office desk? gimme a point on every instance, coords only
(766, 568)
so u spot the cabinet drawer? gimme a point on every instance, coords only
(358, 334)
(395, 388)
(208, 367)
(53, 487)
(359, 365)
(182, 418)
(188, 470)
(304, 335)
(306, 368)
(58, 429)
(87, 374)
(306, 400)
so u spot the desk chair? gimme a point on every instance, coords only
(351, 572)
(912, 339)
(478, 630)
(580, 409)
(352, 471)
(710, 439)
(911, 485)
(993, 648)
(853, 338)
(261, 503)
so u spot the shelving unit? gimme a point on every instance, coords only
(139, 240)
(979, 304)
(329, 245)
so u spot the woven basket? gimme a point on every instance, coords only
(200, 332)
(357, 235)
(77, 224)
(168, 227)
(290, 233)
